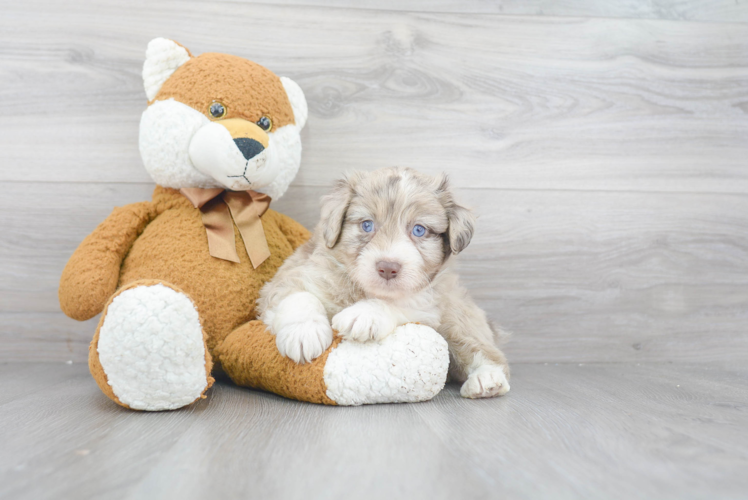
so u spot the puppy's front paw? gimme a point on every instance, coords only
(364, 320)
(304, 341)
(487, 381)
(302, 330)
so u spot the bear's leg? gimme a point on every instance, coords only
(149, 350)
(407, 366)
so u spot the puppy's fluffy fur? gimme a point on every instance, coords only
(337, 280)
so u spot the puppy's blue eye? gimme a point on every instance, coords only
(367, 226)
(418, 230)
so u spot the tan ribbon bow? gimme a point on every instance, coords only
(218, 208)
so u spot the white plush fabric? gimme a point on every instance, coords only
(214, 153)
(298, 101)
(162, 58)
(166, 130)
(181, 147)
(284, 158)
(409, 365)
(151, 348)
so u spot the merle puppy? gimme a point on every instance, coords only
(379, 258)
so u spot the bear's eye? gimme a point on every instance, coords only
(217, 110)
(265, 123)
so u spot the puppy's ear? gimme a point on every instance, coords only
(461, 228)
(461, 220)
(334, 206)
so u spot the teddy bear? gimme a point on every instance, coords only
(176, 278)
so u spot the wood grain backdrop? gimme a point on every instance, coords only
(604, 146)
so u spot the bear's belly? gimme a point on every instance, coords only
(174, 248)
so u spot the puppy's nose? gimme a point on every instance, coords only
(249, 147)
(388, 270)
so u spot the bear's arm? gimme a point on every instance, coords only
(92, 273)
(295, 233)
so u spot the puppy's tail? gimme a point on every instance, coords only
(500, 335)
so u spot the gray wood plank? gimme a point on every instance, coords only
(84, 445)
(605, 431)
(694, 10)
(651, 431)
(578, 276)
(21, 381)
(342, 453)
(499, 101)
(35, 336)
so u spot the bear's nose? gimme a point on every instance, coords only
(249, 147)
(388, 270)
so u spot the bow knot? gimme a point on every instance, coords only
(220, 210)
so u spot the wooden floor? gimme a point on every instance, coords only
(596, 431)
(603, 146)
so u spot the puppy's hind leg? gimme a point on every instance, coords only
(481, 366)
(475, 358)
(485, 379)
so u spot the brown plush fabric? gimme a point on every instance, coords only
(251, 359)
(246, 89)
(164, 241)
(174, 248)
(94, 364)
(185, 48)
(92, 273)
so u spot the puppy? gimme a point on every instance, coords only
(379, 258)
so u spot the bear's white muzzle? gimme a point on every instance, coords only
(238, 163)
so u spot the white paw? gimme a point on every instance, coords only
(364, 320)
(301, 327)
(305, 341)
(486, 381)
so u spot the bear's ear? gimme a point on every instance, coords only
(298, 101)
(162, 58)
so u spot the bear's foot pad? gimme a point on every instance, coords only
(152, 350)
(408, 366)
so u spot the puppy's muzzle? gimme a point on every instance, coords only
(248, 137)
(388, 270)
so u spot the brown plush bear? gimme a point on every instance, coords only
(176, 278)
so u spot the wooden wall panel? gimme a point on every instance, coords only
(605, 155)
(577, 276)
(498, 101)
(689, 10)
